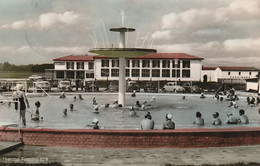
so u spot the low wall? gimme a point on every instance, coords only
(179, 138)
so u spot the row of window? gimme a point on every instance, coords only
(146, 73)
(239, 73)
(71, 74)
(147, 63)
(79, 65)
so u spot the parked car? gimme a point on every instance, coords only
(42, 86)
(172, 87)
(64, 86)
(132, 86)
(35, 77)
(89, 87)
(113, 87)
(191, 88)
(4, 86)
(150, 87)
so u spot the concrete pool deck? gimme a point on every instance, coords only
(132, 157)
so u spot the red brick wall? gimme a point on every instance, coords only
(179, 138)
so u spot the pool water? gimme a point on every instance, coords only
(183, 111)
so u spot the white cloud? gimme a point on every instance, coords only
(162, 35)
(242, 45)
(45, 21)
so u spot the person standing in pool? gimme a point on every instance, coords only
(199, 121)
(243, 119)
(36, 115)
(231, 119)
(169, 124)
(147, 123)
(217, 120)
(20, 96)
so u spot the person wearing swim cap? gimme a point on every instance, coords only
(169, 124)
(217, 120)
(95, 123)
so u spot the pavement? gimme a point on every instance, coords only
(131, 157)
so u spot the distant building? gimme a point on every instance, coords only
(220, 73)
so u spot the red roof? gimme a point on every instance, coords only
(232, 68)
(75, 58)
(209, 68)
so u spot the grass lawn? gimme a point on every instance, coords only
(12, 74)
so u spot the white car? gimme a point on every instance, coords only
(65, 86)
(42, 86)
(172, 87)
(35, 77)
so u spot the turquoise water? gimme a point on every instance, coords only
(183, 111)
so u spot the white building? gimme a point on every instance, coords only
(158, 66)
(215, 74)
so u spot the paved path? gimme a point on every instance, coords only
(132, 157)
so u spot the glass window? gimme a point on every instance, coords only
(156, 63)
(89, 75)
(104, 72)
(60, 74)
(70, 74)
(166, 63)
(146, 73)
(135, 73)
(127, 63)
(239, 73)
(174, 65)
(155, 73)
(115, 63)
(229, 73)
(146, 63)
(70, 65)
(80, 65)
(105, 63)
(186, 73)
(250, 73)
(165, 73)
(127, 74)
(135, 63)
(91, 65)
(185, 64)
(80, 74)
(114, 72)
(174, 72)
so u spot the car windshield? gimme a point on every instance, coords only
(65, 83)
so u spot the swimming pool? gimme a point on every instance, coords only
(183, 111)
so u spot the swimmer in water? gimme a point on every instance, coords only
(80, 97)
(75, 98)
(137, 104)
(143, 107)
(95, 123)
(199, 121)
(183, 97)
(72, 107)
(65, 112)
(217, 120)
(133, 94)
(36, 115)
(106, 105)
(231, 119)
(62, 96)
(94, 101)
(132, 113)
(202, 96)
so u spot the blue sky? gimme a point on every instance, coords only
(224, 32)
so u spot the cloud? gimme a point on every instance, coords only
(45, 21)
(242, 45)
(162, 35)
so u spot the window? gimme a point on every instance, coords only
(186, 73)
(166, 63)
(185, 64)
(146, 73)
(165, 73)
(239, 73)
(135, 63)
(250, 73)
(155, 73)
(156, 63)
(115, 63)
(174, 72)
(146, 63)
(91, 65)
(135, 73)
(80, 65)
(60, 74)
(59, 63)
(229, 73)
(127, 63)
(114, 72)
(80, 74)
(70, 65)
(105, 63)
(176, 65)
(127, 74)
(89, 75)
(104, 72)
(70, 74)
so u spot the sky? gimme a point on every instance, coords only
(223, 32)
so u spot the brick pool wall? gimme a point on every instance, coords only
(179, 138)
